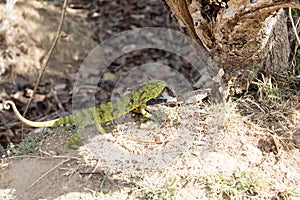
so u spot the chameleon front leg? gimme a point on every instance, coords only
(144, 112)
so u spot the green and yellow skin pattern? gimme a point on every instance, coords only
(103, 113)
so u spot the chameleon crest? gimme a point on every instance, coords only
(104, 112)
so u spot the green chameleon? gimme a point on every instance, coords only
(104, 112)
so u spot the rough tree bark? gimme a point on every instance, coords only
(244, 37)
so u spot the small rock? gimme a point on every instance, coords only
(159, 138)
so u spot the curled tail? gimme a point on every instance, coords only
(51, 123)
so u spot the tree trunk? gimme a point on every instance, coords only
(244, 37)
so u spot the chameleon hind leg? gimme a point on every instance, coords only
(97, 122)
(72, 142)
(100, 128)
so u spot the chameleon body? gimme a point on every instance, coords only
(104, 112)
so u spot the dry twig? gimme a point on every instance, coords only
(53, 168)
(293, 25)
(58, 35)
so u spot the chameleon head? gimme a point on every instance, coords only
(151, 89)
(156, 85)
